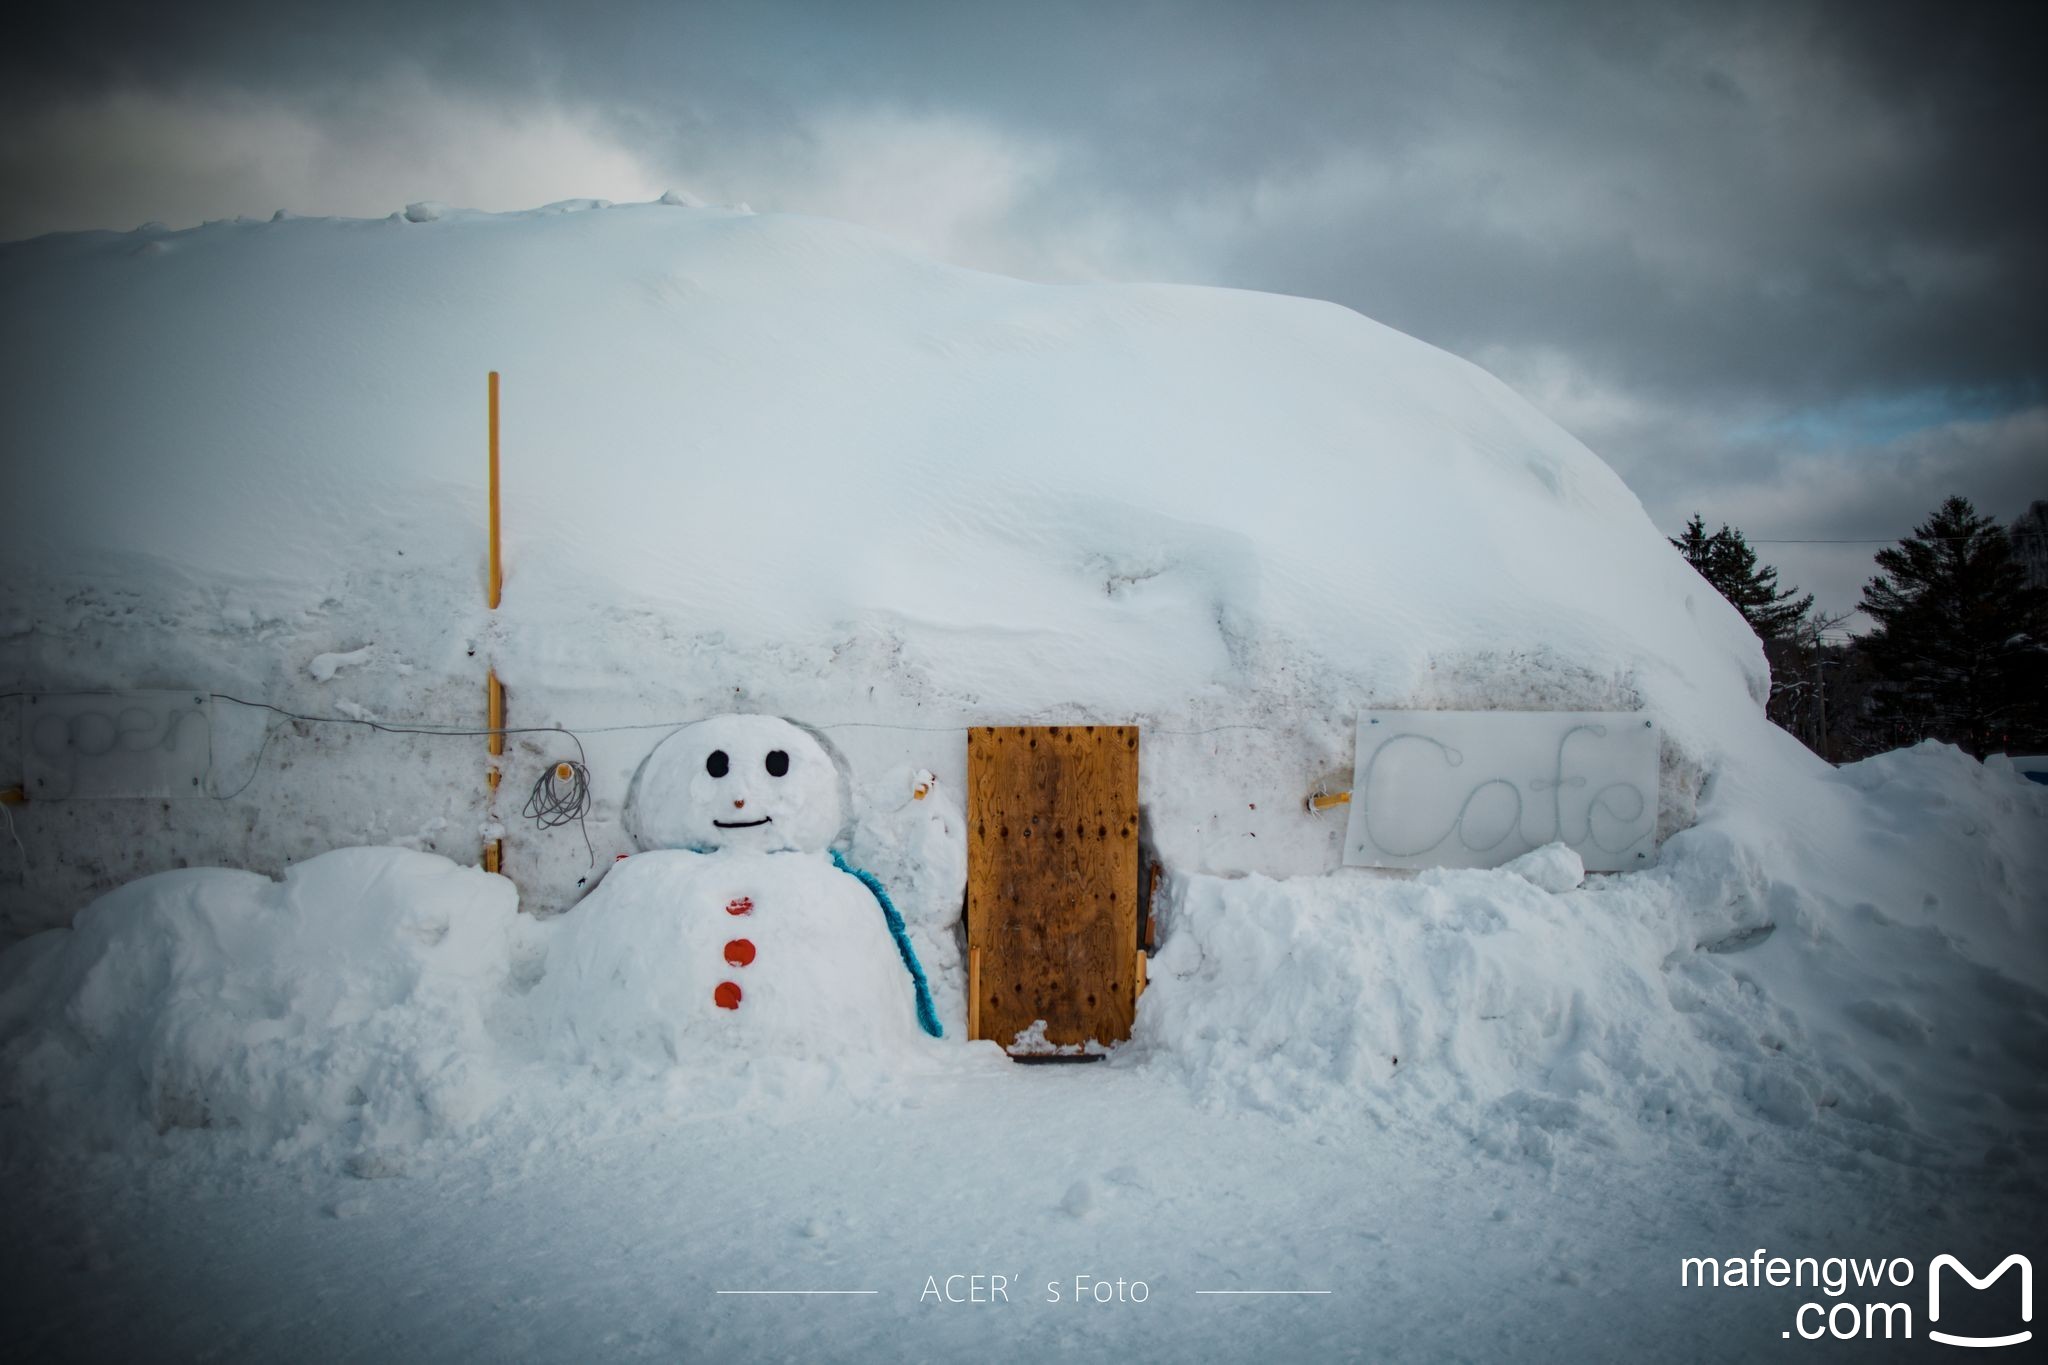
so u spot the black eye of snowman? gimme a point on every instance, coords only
(717, 764)
(778, 763)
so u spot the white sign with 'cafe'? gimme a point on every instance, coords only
(1478, 788)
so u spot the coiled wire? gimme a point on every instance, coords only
(559, 795)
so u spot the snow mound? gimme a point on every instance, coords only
(349, 1002)
(1453, 989)
(1556, 868)
(377, 1001)
(1874, 987)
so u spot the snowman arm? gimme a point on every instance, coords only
(927, 1015)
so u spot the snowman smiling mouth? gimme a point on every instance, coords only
(741, 824)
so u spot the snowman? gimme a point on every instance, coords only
(738, 925)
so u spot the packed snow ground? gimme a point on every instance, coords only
(348, 1102)
(606, 1236)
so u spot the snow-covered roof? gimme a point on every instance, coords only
(780, 432)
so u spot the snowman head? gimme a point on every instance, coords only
(752, 783)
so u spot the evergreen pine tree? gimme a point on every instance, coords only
(1961, 645)
(1727, 561)
(1697, 546)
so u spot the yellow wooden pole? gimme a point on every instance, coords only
(494, 713)
(494, 691)
(494, 709)
(497, 583)
(1329, 800)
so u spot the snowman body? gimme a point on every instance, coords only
(734, 929)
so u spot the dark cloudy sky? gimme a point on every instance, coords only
(1779, 262)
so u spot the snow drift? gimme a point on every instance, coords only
(346, 1006)
(1877, 972)
(1887, 995)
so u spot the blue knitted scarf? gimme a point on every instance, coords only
(927, 1016)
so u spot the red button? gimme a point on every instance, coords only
(727, 996)
(740, 905)
(739, 952)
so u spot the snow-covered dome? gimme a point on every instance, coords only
(785, 433)
(785, 465)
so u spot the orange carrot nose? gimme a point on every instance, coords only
(739, 805)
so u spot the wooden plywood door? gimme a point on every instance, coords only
(1052, 880)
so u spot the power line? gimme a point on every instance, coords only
(547, 806)
(556, 799)
(1888, 540)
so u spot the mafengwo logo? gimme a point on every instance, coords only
(1934, 1270)
(1850, 1317)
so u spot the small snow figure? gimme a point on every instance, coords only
(740, 924)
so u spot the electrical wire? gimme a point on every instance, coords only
(256, 768)
(965, 729)
(555, 807)
(1888, 540)
(557, 799)
(415, 729)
